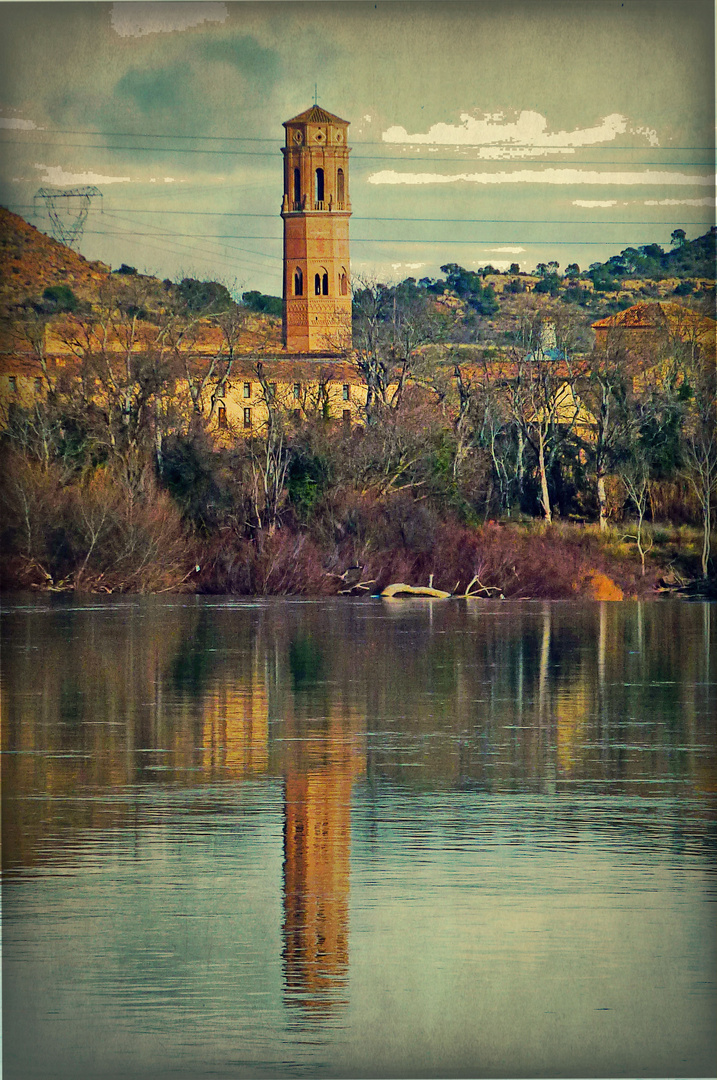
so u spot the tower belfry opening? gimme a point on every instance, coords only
(316, 211)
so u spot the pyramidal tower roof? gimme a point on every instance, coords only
(315, 115)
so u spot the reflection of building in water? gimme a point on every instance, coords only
(573, 709)
(317, 841)
(235, 727)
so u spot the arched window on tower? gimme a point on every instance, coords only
(297, 188)
(343, 282)
(317, 285)
(298, 282)
(325, 284)
(319, 186)
(340, 188)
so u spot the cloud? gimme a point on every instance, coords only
(131, 19)
(55, 174)
(590, 203)
(408, 266)
(506, 250)
(543, 176)
(530, 129)
(679, 202)
(499, 264)
(15, 122)
(182, 90)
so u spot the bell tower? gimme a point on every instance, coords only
(316, 211)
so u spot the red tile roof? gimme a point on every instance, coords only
(315, 115)
(654, 315)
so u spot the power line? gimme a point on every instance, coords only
(356, 142)
(173, 248)
(380, 239)
(360, 157)
(202, 236)
(407, 220)
(461, 220)
(200, 251)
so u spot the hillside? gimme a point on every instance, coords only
(483, 304)
(31, 261)
(39, 273)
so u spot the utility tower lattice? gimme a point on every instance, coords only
(68, 209)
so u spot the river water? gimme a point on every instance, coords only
(358, 838)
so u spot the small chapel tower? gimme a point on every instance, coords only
(316, 211)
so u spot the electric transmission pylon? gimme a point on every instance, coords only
(67, 209)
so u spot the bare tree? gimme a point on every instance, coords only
(541, 389)
(391, 325)
(607, 391)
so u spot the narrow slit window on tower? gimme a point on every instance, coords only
(297, 185)
(340, 185)
(222, 417)
(247, 418)
(325, 284)
(317, 285)
(319, 185)
(298, 282)
(343, 282)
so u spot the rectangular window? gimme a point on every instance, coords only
(222, 417)
(12, 379)
(38, 384)
(272, 391)
(247, 389)
(346, 416)
(297, 389)
(347, 392)
(247, 418)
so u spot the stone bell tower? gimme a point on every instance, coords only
(316, 211)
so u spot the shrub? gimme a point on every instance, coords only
(95, 532)
(59, 298)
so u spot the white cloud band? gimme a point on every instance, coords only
(679, 202)
(55, 174)
(649, 177)
(529, 129)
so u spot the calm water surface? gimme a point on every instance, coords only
(358, 838)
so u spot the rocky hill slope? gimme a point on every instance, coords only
(31, 261)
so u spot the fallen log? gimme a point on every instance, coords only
(415, 590)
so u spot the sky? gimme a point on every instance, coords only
(489, 131)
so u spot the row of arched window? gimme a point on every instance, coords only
(319, 187)
(321, 282)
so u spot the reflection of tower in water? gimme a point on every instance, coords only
(317, 842)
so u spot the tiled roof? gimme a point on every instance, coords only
(315, 115)
(657, 314)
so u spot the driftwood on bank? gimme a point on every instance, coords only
(473, 590)
(415, 590)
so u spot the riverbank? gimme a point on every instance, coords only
(526, 560)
